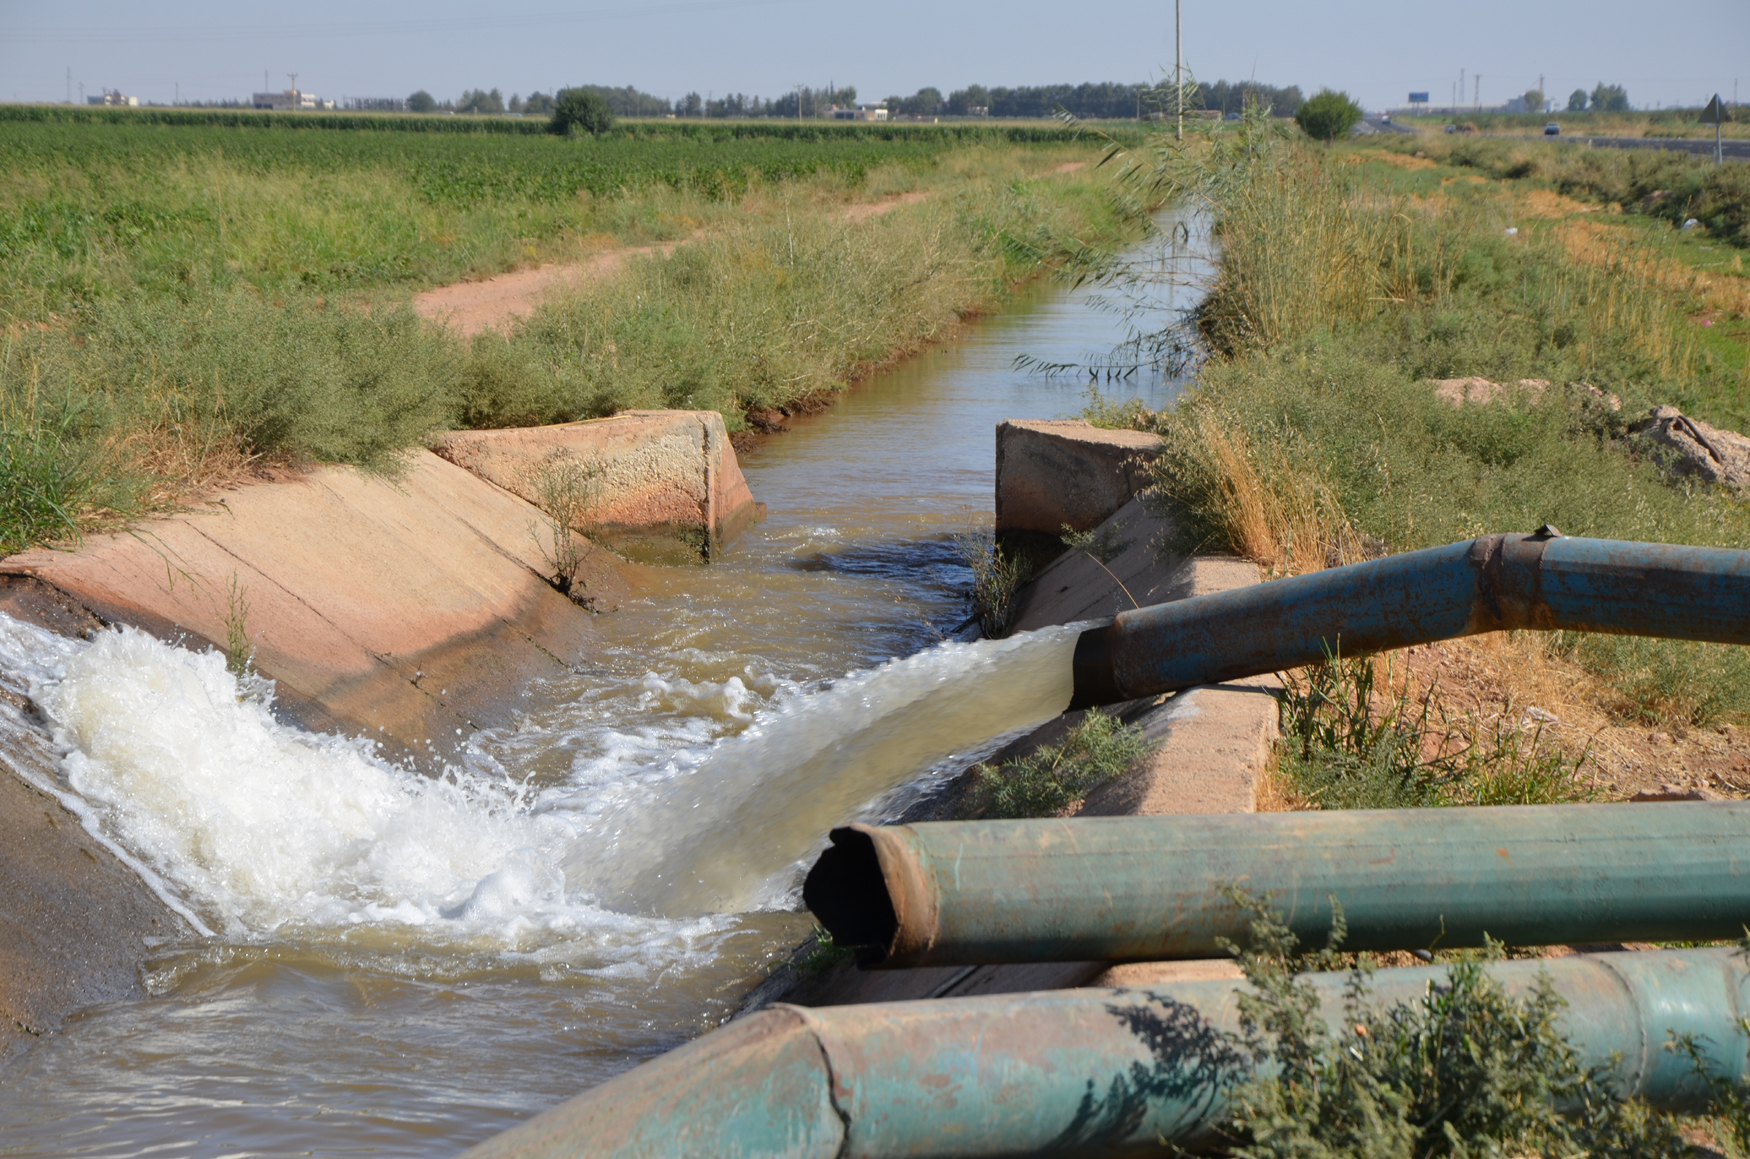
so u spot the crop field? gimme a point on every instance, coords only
(181, 296)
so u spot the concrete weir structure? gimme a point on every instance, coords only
(664, 485)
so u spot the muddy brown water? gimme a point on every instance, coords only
(402, 962)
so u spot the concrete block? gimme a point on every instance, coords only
(1058, 472)
(669, 489)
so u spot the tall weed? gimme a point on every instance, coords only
(1466, 1070)
(1350, 742)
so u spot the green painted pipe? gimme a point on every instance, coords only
(1497, 582)
(1149, 888)
(1072, 1072)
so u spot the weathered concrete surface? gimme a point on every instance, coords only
(75, 923)
(665, 476)
(405, 609)
(1057, 472)
(1213, 743)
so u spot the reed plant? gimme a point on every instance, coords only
(1315, 436)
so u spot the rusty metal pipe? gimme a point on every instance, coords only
(1073, 1072)
(1497, 582)
(1150, 888)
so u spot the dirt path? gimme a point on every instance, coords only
(492, 304)
(877, 208)
(470, 307)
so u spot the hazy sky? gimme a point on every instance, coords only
(1376, 51)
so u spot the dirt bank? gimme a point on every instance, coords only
(495, 303)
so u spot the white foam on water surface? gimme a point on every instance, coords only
(692, 798)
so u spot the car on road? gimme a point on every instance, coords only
(1552, 130)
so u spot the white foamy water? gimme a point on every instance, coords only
(265, 829)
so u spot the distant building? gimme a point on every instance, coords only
(114, 98)
(860, 113)
(290, 99)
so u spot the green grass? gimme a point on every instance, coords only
(182, 294)
(1314, 435)
(1350, 743)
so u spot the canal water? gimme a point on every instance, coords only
(401, 962)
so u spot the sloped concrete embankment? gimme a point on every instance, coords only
(412, 610)
(1211, 745)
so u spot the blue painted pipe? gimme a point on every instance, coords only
(1544, 581)
(1076, 1072)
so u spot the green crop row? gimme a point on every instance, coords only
(462, 169)
(530, 126)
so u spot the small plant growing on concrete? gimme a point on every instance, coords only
(1053, 777)
(239, 656)
(996, 578)
(565, 489)
(1103, 544)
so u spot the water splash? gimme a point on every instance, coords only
(268, 830)
(719, 837)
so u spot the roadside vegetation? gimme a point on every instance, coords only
(1353, 280)
(180, 300)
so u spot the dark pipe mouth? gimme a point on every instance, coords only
(847, 892)
(1096, 682)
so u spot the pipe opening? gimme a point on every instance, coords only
(847, 892)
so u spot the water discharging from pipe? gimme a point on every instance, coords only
(260, 826)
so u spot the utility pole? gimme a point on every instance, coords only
(1179, 68)
(1478, 79)
(1540, 91)
(294, 79)
(798, 102)
(70, 86)
(81, 92)
(177, 99)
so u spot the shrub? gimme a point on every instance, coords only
(996, 577)
(1053, 777)
(1466, 1070)
(1348, 744)
(1328, 115)
(575, 109)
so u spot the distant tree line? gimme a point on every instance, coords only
(1103, 101)
(1603, 99)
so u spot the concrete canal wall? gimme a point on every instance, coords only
(412, 610)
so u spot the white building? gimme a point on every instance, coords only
(290, 99)
(860, 113)
(114, 98)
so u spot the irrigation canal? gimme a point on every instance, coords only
(403, 962)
